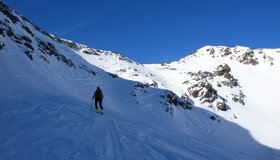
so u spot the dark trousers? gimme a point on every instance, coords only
(100, 103)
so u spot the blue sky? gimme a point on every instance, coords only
(154, 31)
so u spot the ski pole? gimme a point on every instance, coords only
(91, 106)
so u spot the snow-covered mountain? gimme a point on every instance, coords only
(217, 103)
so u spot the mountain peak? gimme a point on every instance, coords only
(211, 49)
(239, 54)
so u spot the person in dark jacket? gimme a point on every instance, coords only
(98, 96)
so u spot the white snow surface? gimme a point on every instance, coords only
(45, 104)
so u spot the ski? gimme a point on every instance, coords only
(100, 113)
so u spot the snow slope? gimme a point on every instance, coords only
(259, 83)
(46, 85)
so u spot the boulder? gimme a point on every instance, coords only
(221, 106)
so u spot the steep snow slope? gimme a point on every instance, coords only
(46, 85)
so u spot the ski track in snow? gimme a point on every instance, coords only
(70, 132)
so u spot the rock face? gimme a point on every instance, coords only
(249, 58)
(204, 91)
(239, 98)
(204, 85)
(222, 70)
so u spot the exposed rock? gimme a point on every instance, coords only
(239, 98)
(232, 82)
(221, 106)
(248, 58)
(1, 32)
(235, 98)
(45, 59)
(85, 68)
(173, 99)
(222, 69)
(26, 39)
(194, 93)
(121, 57)
(17, 39)
(169, 109)
(169, 68)
(28, 30)
(133, 94)
(29, 55)
(90, 52)
(2, 45)
(154, 84)
(121, 70)
(10, 32)
(211, 51)
(204, 90)
(49, 48)
(28, 45)
(5, 10)
(141, 85)
(214, 118)
(113, 75)
(228, 76)
(66, 42)
(268, 59)
(226, 52)
(68, 62)
(201, 75)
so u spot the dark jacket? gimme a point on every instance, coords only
(98, 94)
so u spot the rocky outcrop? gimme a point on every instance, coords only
(239, 98)
(6, 10)
(224, 71)
(49, 49)
(183, 102)
(221, 106)
(204, 91)
(215, 118)
(201, 85)
(249, 58)
(226, 52)
(240, 54)
(167, 98)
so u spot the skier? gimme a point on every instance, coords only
(98, 95)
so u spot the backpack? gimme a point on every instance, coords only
(98, 94)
